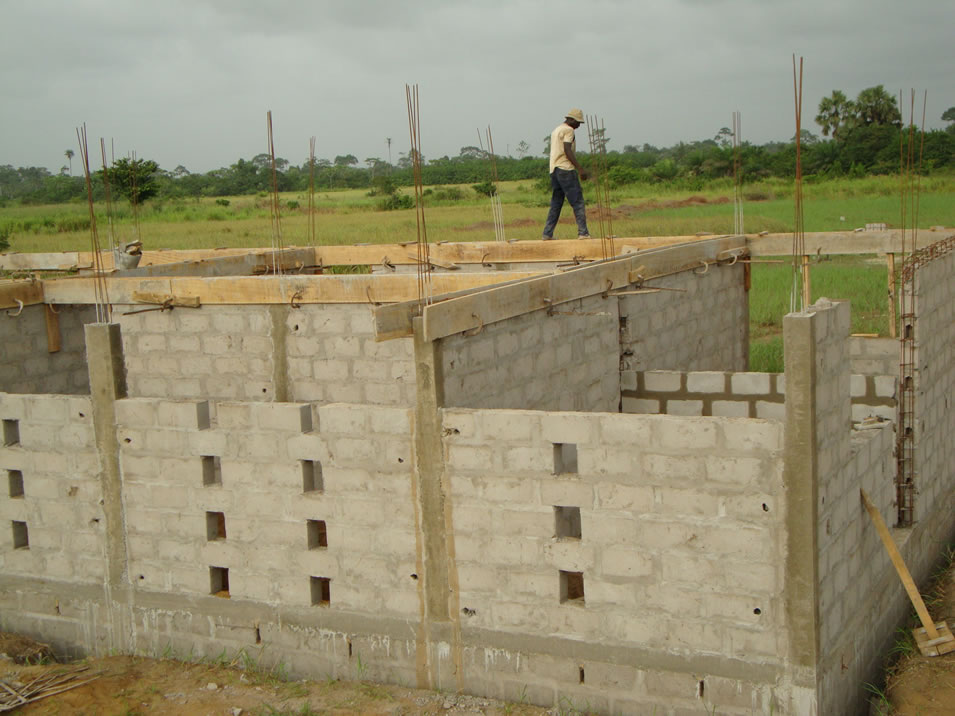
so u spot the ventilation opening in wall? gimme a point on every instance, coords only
(15, 483)
(219, 581)
(211, 470)
(312, 476)
(567, 522)
(21, 537)
(321, 591)
(571, 587)
(215, 525)
(11, 432)
(565, 458)
(317, 534)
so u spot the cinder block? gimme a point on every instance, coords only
(619, 561)
(640, 406)
(731, 408)
(292, 417)
(684, 407)
(230, 416)
(743, 471)
(770, 411)
(706, 382)
(47, 409)
(886, 386)
(566, 492)
(391, 421)
(658, 381)
(136, 412)
(509, 426)
(686, 432)
(631, 498)
(183, 414)
(749, 383)
(561, 428)
(857, 385)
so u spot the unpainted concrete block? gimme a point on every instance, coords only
(662, 380)
(706, 382)
(770, 411)
(684, 433)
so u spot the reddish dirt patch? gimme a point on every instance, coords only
(137, 686)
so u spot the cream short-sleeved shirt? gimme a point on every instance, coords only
(559, 160)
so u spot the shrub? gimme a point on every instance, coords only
(222, 202)
(292, 204)
(395, 201)
(5, 231)
(485, 188)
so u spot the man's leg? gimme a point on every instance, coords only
(570, 183)
(556, 203)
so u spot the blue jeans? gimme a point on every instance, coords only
(564, 183)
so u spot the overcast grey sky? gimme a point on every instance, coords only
(189, 82)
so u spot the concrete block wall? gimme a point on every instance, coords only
(934, 384)
(315, 353)
(333, 357)
(256, 456)
(50, 488)
(873, 356)
(518, 362)
(678, 547)
(27, 366)
(213, 352)
(753, 395)
(701, 326)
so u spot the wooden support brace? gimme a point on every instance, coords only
(166, 300)
(936, 637)
(52, 329)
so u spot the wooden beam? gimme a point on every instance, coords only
(447, 317)
(344, 288)
(27, 292)
(841, 242)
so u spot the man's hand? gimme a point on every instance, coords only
(584, 176)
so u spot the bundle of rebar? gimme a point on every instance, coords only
(737, 176)
(13, 694)
(910, 181)
(311, 191)
(597, 137)
(424, 258)
(799, 296)
(103, 307)
(497, 211)
(278, 245)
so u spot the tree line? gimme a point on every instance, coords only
(859, 137)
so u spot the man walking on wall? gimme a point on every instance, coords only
(564, 180)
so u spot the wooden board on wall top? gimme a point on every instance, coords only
(345, 288)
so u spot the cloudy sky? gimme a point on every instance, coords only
(190, 82)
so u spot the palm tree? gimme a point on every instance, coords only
(876, 106)
(835, 113)
(69, 155)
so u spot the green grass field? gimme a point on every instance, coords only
(351, 217)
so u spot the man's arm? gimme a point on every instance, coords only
(569, 151)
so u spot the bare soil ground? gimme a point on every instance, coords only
(136, 686)
(920, 685)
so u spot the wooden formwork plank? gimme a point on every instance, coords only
(455, 315)
(840, 242)
(357, 288)
(13, 294)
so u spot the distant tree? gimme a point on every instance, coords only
(134, 178)
(180, 171)
(69, 155)
(724, 137)
(949, 116)
(835, 112)
(522, 149)
(471, 152)
(346, 160)
(876, 106)
(806, 138)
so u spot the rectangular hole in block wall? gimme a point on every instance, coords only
(21, 536)
(219, 581)
(15, 483)
(571, 587)
(317, 534)
(11, 432)
(565, 458)
(567, 522)
(215, 525)
(211, 470)
(321, 591)
(312, 480)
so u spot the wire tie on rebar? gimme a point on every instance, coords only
(294, 300)
(706, 267)
(19, 310)
(474, 331)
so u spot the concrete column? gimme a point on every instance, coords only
(107, 371)
(278, 314)
(441, 620)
